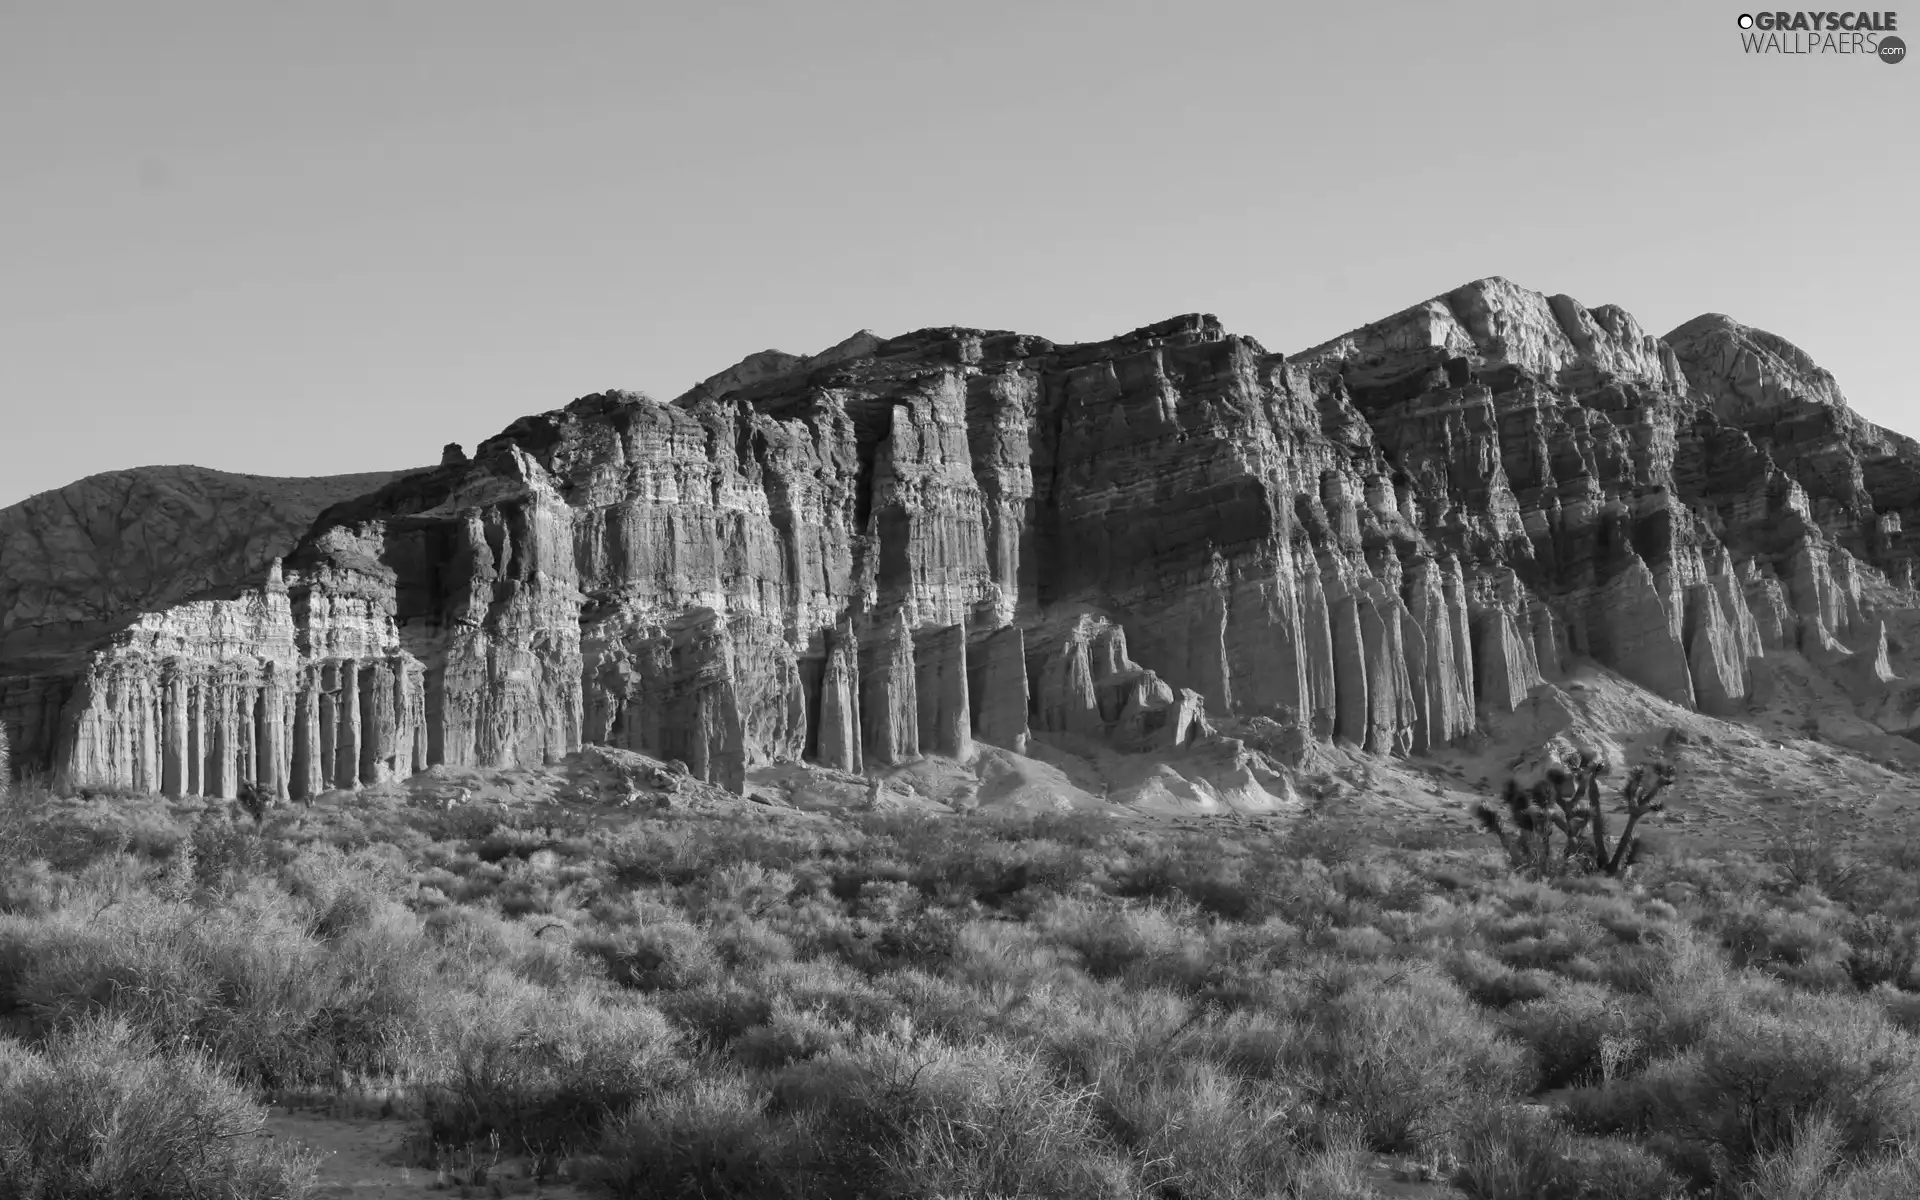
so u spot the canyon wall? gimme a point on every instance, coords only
(901, 546)
(82, 562)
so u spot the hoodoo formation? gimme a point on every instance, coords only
(901, 546)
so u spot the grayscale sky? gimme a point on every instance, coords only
(329, 237)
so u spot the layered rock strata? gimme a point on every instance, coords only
(901, 546)
(82, 562)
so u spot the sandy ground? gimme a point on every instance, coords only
(372, 1157)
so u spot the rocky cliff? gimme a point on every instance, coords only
(80, 563)
(901, 546)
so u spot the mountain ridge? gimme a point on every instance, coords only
(1150, 541)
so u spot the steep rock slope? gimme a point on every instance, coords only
(80, 562)
(899, 546)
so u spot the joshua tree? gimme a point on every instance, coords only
(1567, 801)
(1569, 782)
(1529, 846)
(1642, 795)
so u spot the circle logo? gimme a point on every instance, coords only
(1892, 50)
(1746, 20)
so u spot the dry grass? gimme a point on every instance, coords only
(755, 1003)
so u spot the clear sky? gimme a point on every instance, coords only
(329, 237)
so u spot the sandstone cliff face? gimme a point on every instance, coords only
(900, 546)
(80, 562)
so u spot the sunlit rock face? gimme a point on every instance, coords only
(908, 546)
(82, 562)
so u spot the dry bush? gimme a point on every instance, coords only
(1148, 944)
(710, 1140)
(1814, 856)
(546, 1070)
(1744, 1089)
(1799, 946)
(666, 953)
(1201, 1127)
(1517, 1154)
(1581, 1033)
(246, 982)
(1813, 1166)
(1396, 1049)
(1879, 950)
(913, 1116)
(31, 888)
(1492, 983)
(97, 1111)
(896, 1005)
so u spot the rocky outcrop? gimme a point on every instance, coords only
(940, 689)
(838, 742)
(889, 698)
(997, 688)
(1089, 687)
(899, 546)
(211, 694)
(80, 563)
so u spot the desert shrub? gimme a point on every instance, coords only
(341, 894)
(1579, 1034)
(1146, 942)
(923, 939)
(1331, 842)
(1815, 857)
(1520, 1154)
(1208, 886)
(1634, 970)
(99, 1112)
(545, 1070)
(1758, 933)
(1690, 993)
(741, 941)
(1205, 1132)
(1745, 1088)
(1544, 943)
(1004, 878)
(30, 888)
(1879, 950)
(250, 987)
(509, 842)
(1490, 982)
(1812, 1166)
(745, 888)
(789, 1035)
(1796, 946)
(1255, 949)
(884, 900)
(1074, 831)
(1902, 1008)
(1359, 942)
(224, 853)
(708, 1141)
(914, 1117)
(664, 952)
(1401, 1053)
(717, 1013)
